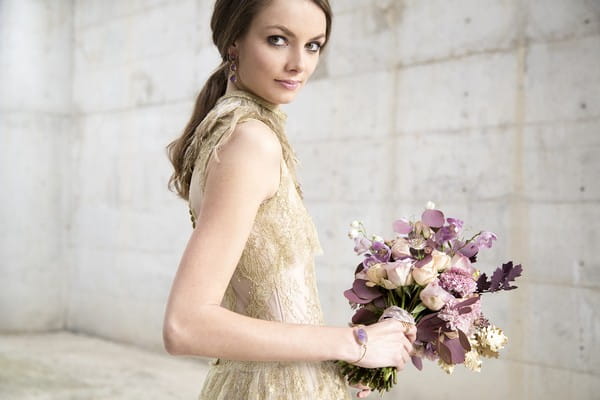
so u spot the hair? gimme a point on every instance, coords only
(230, 21)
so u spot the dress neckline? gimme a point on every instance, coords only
(258, 100)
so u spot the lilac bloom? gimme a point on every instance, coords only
(456, 222)
(433, 218)
(468, 250)
(402, 226)
(381, 251)
(485, 238)
(370, 260)
(445, 234)
(361, 244)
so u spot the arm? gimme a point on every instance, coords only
(195, 323)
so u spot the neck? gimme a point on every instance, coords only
(232, 87)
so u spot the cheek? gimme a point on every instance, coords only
(260, 58)
(312, 64)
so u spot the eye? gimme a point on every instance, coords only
(277, 40)
(314, 47)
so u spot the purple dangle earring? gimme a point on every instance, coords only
(232, 68)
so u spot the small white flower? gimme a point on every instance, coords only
(376, 238)
(496, 339)
(355, 224)
(430, 205)
(354, 233)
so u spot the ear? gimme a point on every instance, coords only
(233, 50)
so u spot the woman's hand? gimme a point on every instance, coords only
(365, 391)
(389, 345)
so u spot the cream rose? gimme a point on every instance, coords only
(399, 272)
(441, 260)
(400, 248)
(427, 270)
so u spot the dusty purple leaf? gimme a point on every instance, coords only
(457, 352)
(365, 292)
(464, 340)
(501, 278)
(352, 297)
(428, 327)
(380, 302)
(364, 316)
(417, 362)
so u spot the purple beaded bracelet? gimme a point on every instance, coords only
(361, 338)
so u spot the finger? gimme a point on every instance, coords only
(411, 334)
(407, 346)
(360, 386)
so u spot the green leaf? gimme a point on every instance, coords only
(420, 307)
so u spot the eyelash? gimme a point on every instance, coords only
(274, 41)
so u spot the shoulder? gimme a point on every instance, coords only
(253, 134)
(251, 153)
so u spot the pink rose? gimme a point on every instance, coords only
(462, 263)
(434, 297)
(399, 272)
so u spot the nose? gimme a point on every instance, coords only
(296, 59)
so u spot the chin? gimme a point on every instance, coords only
(285, 96)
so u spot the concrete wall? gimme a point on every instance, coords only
(490, 108)
(137, 68)
(35, 125)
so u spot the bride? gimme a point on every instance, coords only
(245, 291)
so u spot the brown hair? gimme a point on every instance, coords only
(230, 21)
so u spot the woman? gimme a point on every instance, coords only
(245, 291)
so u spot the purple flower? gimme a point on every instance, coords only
(445, 234)
(369, 261)
(361, 244)
(485, 238)
(458, 282)
(402, 226)
(456, 222)
(433, 218)
(449, 232)
(461, 314)
(381, 251)
(468, 250)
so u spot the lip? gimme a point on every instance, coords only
(289, 84)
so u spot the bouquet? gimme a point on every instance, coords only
(426, 275)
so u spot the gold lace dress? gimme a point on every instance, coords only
(275, 277)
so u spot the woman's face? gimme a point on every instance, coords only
(280, 50)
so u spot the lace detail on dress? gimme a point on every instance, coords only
(275, 276)
(234, 380)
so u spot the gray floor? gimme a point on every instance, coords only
(68, 366)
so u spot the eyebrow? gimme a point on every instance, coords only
(290, 33)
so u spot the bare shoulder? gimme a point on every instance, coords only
(255, 135)
(252, 153)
